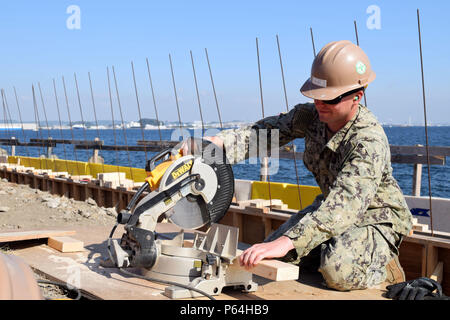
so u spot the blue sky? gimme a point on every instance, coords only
(37, 46)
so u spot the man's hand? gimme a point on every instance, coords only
(186, 148)
(274, 249)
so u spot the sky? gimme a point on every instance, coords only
(43, 40)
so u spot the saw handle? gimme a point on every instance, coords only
(164, 155)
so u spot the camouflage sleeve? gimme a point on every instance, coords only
(348, 200)
(289, 126)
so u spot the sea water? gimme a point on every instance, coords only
(437, 136)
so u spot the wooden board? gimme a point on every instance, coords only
(32, 235)
(275, 270)
(65, 244)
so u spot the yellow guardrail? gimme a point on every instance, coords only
(78, 167)
(286, 192)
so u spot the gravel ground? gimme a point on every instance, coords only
(23, 208)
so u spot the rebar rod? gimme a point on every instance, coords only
(123, 124)
(312, 41)
(262, 108)
(45, 112)
(214, 89)
(287, 110)
(21, 121)
(70, 124)
(139, 110)
(357, 42)
(154, 100)
(36, 118)
(60, 125)
(112, 118)
(95, 116)
(175, 91)
(198, 95)
(426, 122)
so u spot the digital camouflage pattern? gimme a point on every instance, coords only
(353, 170)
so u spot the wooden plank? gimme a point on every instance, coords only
(65, 244)
(438, 272)
(432, 259)
(433, 150)
(411, 158)
(32, 235)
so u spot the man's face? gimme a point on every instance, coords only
(336, 115)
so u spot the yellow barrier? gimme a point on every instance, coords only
(78, 167)
(286, 192)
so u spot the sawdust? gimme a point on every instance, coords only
(30, 209)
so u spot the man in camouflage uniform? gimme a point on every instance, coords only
(354, 228)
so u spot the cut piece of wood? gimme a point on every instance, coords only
(32, 235)
(273, 269)
(65, 244)
(269, 269)
(438, 272)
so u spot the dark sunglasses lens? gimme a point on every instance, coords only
(334, 101)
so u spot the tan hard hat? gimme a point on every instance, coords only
(339, 67)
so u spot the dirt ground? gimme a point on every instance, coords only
(23, 208)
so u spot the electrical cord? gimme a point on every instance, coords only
(65, 286)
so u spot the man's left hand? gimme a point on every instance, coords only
(274, 249)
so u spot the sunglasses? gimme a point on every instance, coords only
(342, 96)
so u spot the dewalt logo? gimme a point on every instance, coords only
(181, 170)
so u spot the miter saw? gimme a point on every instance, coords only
(190, 191)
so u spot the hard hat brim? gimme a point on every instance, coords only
(317, 92)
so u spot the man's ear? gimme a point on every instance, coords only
(358, 96)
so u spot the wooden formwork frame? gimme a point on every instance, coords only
(420, 253)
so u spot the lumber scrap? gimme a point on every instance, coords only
(65, 244)
(438, 272)
(33, 235)
(269, 269)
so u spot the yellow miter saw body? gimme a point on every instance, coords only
(190, 191)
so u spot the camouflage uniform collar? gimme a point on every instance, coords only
(336, 140)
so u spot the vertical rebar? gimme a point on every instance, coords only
(5, 120)
(198, 95)
(48, 127)
(139, 111)
(153, 97)
(357, 42)
(263, 115)
(21, 121)
(36, 118)
(312, 41)
(426, 122)
(79, 105)
(123, 124)
(175, 91)
(71, 126)
(95, 116)
(60, 125)
(112, 117)
(6, 112)
(45, 112)
(214, 88)
(287, 110)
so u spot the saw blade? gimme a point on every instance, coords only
(190, 212)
